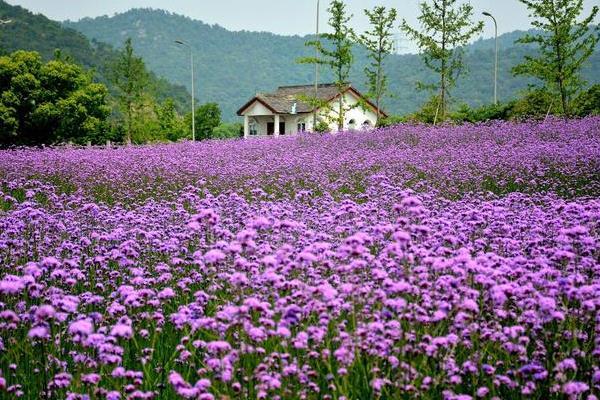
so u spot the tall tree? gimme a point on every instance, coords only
(49, 103)
(445, 27)
(131, 79)
(169, 122)
(208, 117)
(335, 51)
(564, 45)
(379, 43)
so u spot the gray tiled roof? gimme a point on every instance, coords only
(283, 99)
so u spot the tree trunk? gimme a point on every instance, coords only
(443, 72)
(379, 89)
(442, 105)
(560, 65)
(563, 97)
(341, 113)
(378, 92)
(129, 117)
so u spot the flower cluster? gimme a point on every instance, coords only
(446, 263)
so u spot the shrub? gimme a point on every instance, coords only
(484, 113)
(228, 131)
(536, 104)
(588, 102)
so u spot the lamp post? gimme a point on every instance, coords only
(179, 42)
(487, 14)
(316, 70)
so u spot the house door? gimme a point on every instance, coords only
(271, 128)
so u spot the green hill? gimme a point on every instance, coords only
(232, 66)
(35, 32)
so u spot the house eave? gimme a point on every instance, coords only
(252, 101)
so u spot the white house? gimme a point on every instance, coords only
(284, 113)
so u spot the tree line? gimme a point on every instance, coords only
(58, 101)
(564, 42)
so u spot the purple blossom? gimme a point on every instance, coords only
(38, 332)
(122, 331)
(82, 327)
(295, 266)
(214, 256)
(575, 388)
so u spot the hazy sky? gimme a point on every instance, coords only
(278, 16)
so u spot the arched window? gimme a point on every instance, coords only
(366, 125)
(352, 124)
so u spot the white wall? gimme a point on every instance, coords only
(358, 114)
(257, 108)
(291, 122)
(260, 115)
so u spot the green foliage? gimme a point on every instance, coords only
(158, 122)
(47, 103)
(428, 113)
(9, 125)
(35, 32)
(334, 50)
(169, 122)
(228, 131)
(244, 58)
(208, 117)
(499, 111)
(536, 104)
(588, 102)
(564, 45)
(322, 127)
(446, 27)
(82, 116)
(130, 77)
(391, 121)
(379, 43)
(261, 61)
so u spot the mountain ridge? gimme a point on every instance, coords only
(35, 32)
(233, 65)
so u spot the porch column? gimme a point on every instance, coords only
(276, 133)
(246, 126)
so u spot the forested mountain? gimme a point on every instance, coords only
(232, 66)
(35, 32)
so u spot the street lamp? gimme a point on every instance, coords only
(179, 42)
(316, 71)
(487, 14)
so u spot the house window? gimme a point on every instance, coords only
(352, 124)
(301, 126)
(253, 129)
(366, 125)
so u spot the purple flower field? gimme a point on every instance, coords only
(408, 263)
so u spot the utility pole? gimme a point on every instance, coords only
(487, 14)
(316, 70)
(193, 105)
